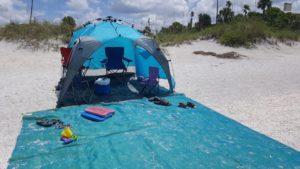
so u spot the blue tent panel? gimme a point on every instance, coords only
(105, 31)
(81, 32)
(144, 60)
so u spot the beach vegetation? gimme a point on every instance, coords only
(245, 29)
(38, 34)
(264, 5)
(246, 9)
(204, 21)
(226, 14)
(67, 26)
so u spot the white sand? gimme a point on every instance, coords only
(27, 81)
(261, 91)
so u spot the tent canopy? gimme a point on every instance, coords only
(88, 49)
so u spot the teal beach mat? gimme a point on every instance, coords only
(144, 135)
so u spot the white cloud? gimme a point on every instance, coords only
(56, 20)
(81, 5)
(296, 6)
(94, 1)
(92, 14)
(39, 13)
(204, 6)
(13, 10)
(169, 8)
(160, 13)
(168, 11)
(83, 10)
(78, 4)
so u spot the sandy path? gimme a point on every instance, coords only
(261, 91)
(27, 84)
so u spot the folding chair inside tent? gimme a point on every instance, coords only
(66, 54)
(153, 81)
(114, 61)
(81, 89)
(65, 58)
(80, 85)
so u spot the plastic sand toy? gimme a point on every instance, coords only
(67, 136)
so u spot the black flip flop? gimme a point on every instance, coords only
(191, 105)
(182, 105)
(154, 99)
(44, 123)
(162, 102)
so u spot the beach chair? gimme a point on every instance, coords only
(65, 56)
(152, 82)
(115, 60)
(81, 89)
(65, 59)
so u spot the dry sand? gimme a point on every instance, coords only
(27, 81)
(261, 91)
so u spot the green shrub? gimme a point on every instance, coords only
(294, 21)
(242, 31)
(67, 26)
(286, 34)
(38, 33)
(278, 19)
(275, 17)
(226, 14)
(176, 27)
(33, 31)
(204, 21)
(177, 38)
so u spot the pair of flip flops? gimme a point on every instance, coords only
(187, 105)
(159, 101)
(52, 122)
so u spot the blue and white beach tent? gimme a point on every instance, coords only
(88, 49)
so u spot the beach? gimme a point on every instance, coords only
(260, 90)
(27, 85)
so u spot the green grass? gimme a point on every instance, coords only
(284, 35)
(33, 35)
(243, 32)
(172, 38)
(37, 31)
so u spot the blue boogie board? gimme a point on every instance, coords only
(94, 117)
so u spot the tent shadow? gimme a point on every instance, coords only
(123, 88)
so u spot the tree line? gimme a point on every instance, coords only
(273, 16)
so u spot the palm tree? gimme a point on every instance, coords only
(246, 9)
(190, 26)
(226, 14)
(264, 4)
(228, 4)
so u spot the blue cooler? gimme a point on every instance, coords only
(102, 86)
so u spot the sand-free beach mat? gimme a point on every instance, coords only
(142, 134)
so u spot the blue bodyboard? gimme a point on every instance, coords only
(94, 117)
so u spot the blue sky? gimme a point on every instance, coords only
(160, 12)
